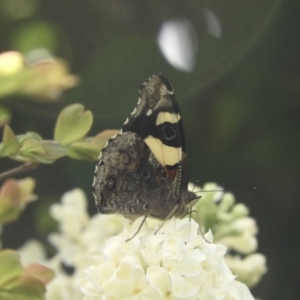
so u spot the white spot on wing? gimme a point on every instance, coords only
(163, 117)
(100, 155)
(149, 112)
(166, 155)
(134, 111)
(94, 181)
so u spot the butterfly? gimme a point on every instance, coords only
(143, 170)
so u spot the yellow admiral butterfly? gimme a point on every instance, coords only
(143, 170)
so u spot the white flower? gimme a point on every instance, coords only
(244, 240)
(232, 227)
(174, 263)
(79, 234)
(72, 213)
(32, 252)
(79, 237)
(250, 269)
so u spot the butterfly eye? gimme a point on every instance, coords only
(124, 158)
(110, 183)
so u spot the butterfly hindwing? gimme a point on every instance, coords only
(129, 180)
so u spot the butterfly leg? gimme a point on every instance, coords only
(199, 228)
(142, 223)
(169, 216)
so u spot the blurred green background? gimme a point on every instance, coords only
(240, 103)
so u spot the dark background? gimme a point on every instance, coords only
(240, 105)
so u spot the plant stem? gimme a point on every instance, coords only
(20, 169)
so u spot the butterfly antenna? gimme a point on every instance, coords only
(194, 186)
(223, 190)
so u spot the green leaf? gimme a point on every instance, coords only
(11, 84)
(5, 115)
(41, 151)
(17, 283)
(33, 148)
(14, 195)
(89, 148)
(54, 150)
(10, 144)
(73, 123)
(29, 135)
(9, 267)
(39, 272)
(8, 212)
(84, 150)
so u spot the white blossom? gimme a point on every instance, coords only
(79, 236)
(32, 252)
(249, 269)
(174, 263)
(232, 227)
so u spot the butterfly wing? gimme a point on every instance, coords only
(143, 170)
(129, 180)
(157, 120)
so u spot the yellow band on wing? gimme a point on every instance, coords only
(166, 155)
(163, 117)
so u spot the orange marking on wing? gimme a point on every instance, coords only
(172, 173)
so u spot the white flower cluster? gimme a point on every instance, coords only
(174, 263)
(232, 227)
(78, 236)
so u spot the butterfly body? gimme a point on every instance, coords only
(143, 170)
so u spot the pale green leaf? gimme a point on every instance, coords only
(41, 151)
(84, 150)
(9, 266)
(5, 115)
(20, 284)
(29, 135)
(10, 144)
(73, 123)
(8, 211)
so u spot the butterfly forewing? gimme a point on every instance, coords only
(156, 118)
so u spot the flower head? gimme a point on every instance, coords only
(174, 263)
(232, 227)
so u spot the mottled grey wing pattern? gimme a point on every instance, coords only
(130, 181)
